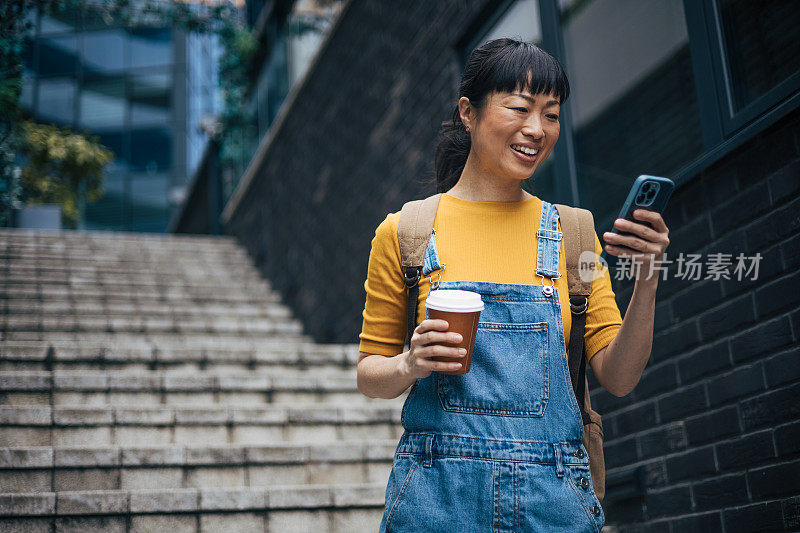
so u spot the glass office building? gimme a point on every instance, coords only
(142, 91)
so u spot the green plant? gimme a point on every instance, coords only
(62, 167)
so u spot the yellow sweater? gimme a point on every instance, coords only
(477, 241)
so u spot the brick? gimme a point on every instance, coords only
(636, 419)
(757, 517)
(781, 222)
(663, 440)
(785, 183)
(357, 520)
(707, 359)
(683, 402)
(26, 457)
(746, 451)
(675, 340)
(27, 504)
(740, 209)
(26, 525)
(92, 502)
(232, 522)
(731, 316)
(86, 457)
(236, 499)
(163, 501)
(774, 481)
(691, 464)
(778, 295)
(171, 523)
(720, 492)
(712, 425)
(764, 337)
(655, 379)
(791, 512)
(153, 456)
(299, 497)
(782, 368)
(673, 501)
(25, 416)
(790, 250)
(738, 383)
(281, 521)
(787, 439)
(771, 408)
(695, 299)
(699, 522)
(689, 237)
(95, 524)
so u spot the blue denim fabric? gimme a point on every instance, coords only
(494, 449)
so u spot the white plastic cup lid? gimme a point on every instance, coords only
(454, 300)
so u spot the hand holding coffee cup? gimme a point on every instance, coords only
(430, 342)
(461, 310)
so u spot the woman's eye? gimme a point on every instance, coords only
(554, 117)
(521, 109)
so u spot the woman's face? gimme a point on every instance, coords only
(518, 119)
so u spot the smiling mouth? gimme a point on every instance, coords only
(529, 158)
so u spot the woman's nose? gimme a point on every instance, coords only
(533, 128)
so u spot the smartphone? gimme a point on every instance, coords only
(647, 192)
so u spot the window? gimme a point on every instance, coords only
(634, 103)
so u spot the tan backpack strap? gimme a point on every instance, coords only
(413, 232)
(414, 229)
(577, 225)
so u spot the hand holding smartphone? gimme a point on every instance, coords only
(647, 192)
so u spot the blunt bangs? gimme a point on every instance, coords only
(526, 67)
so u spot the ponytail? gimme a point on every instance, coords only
(451, 152)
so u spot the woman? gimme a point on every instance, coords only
(509, 456)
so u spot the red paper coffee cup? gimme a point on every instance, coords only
(461, 309)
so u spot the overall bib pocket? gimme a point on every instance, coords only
(514, 384)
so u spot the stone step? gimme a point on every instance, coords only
(343, 508)
(132, 294)
(47, 469)
(120, 426)
(90, 322)
(134, 354)
(157, 308)
(98, 388)
(287, 330)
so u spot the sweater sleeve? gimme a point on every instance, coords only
(603, 318)
(384, 326)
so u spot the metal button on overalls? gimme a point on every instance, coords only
(498, 449)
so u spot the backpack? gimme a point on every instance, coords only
(414, 231)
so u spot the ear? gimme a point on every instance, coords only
(466, 111)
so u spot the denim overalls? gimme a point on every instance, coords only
(499, 448)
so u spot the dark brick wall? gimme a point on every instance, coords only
(715, 420)
(357, 144)
(714, 423)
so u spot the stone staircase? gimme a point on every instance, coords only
(157, 383)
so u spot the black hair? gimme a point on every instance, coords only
(500, 65)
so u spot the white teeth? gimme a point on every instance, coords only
(524, 149)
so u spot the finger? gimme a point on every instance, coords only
(437, 350)
(440, 366)
(634, 243)
(641, 230)
(623, 251)
(440, 337)
(654, 218)
(433, 324)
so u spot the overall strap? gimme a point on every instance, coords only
(577, 225)
(413, 232)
